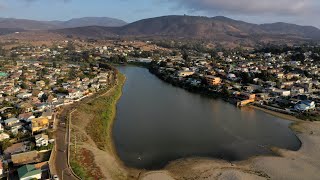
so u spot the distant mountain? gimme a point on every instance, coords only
(26, 24)
(205, 27)
(88, 32)
(93, 21)
(216, 29)
(285, 28)
(5, 31)
(196, 27)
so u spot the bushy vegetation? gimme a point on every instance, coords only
(309, 117)
(100, 113)
(104, 110)
(79, 170)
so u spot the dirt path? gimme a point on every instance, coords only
(106, 162)
(84, 125)
(81, 132)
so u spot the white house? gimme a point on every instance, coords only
(74, 94)
(232, 77)
(305, 106)
(24, 95)
(282, 92)
(41, 140)
(11, 121)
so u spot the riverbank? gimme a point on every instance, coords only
(277, 114)
(107, 163)
(227, 96)
(301, 164)
(92, 151)
(260, 167)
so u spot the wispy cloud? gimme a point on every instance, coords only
(250, 7)
(44, 0)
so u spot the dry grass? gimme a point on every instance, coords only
(103, 111)
(91, 131)
(83, 162)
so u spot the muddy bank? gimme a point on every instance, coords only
(302, 164)
(277, 114)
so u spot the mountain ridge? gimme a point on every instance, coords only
(27, 24)
(199, 27)
(216, 29)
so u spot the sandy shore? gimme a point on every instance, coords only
(302, 164)
(277, 114)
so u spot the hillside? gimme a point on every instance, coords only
(216, 28)
(93, 21)
(5, 31)
(25, 24)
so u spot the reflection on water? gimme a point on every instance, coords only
(157, 123)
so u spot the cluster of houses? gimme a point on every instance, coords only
(32, 91)
(66, 50)
(263, 79)
(30, 95)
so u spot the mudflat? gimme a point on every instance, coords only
(301, 164)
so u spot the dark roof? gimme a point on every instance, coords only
(27, 171)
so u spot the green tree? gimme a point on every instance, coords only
(62, 91)
(24, 86)
(54, 65)
(185, 55)
(225, 91)
(5, 144)
(70, 46)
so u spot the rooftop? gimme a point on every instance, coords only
(27, 171)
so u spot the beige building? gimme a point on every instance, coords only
(39, 124)
(213, 80)
(185, 73)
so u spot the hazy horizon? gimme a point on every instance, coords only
(300, 12)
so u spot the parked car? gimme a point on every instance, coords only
(55, 177)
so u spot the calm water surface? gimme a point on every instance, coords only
(157, 123)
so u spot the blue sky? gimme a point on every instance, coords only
(256, 11)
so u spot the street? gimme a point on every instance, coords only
(61, 156)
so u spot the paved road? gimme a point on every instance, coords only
(61, 156)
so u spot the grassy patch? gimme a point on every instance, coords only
(104, 110)
(84, 166)
(95, 117)
(79, 170)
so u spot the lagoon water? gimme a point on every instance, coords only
(157, 123)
